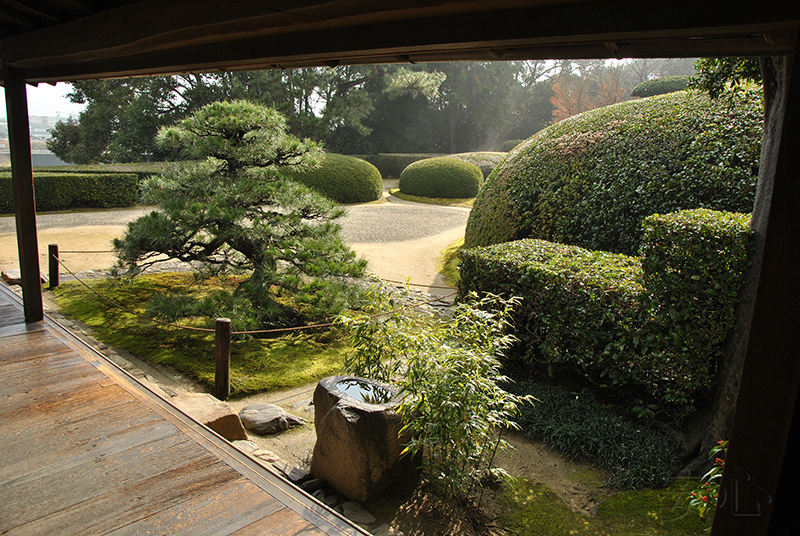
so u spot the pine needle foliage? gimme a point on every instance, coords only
(237, 212)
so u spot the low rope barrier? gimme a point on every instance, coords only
(222, 331)
(78, 251)
(250, 332)
(443, 287)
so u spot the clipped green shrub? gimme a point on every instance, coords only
(660, 86)
(694, 264)
(441, 177)
(345, 179)
(486, 161)
(591, 179)
(61, 191)
(658, 324)
(391, 165)
(576, 304)
(579, 427)
(508, 145)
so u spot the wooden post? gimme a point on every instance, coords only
(24, 200)
(758, 490)
(222, 359)
(53, 266)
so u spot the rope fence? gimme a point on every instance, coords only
(222, 331)
(422, 285)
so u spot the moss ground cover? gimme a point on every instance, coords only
(256, 364)
(531, 509)
(443, 201)
(448, 261)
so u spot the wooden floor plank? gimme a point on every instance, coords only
(17, 328)
(35, 456)
(23, 377)
(281, 523)
(88, 478)
(49, 405)
(219, 512)
(28, 345)
(10, 314)
(84, 450)
(127, 505)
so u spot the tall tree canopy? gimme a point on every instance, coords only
(358, 109)
(235, 212)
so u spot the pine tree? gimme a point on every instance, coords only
(236, 212)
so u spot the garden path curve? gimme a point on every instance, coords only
(401, 240)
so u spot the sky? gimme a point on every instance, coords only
(47, 100)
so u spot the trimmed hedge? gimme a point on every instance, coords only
(486, 161)
(61, 191)
(441, 177)
(660, 86)
(575, 302)
(391, 165)
(591, 179)
(658, 323)
(345, 179)
(694, 264)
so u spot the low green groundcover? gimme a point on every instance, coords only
(289, 360)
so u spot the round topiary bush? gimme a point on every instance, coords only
(441, 177)
(660, 86)
(486, 161)
(345, 179)
(591, 179)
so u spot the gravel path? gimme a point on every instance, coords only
(400, 239)
(392, 221)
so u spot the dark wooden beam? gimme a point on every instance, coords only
(154, 38)
(24, 199)
(758, 492)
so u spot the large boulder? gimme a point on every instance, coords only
(358, 446)
(209, 411)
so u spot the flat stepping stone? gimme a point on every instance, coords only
(266, 419)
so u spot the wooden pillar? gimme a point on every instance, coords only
(759, 488)
(24, 203)
(222, 359)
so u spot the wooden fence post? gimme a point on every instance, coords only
(222, 359)
(52, 257)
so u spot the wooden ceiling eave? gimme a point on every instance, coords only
(347, 48)
(536, 29)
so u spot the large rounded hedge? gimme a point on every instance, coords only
(443, 176)
(591, 179)
(345, 179)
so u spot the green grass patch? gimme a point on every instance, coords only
(257, 365)
(443, 201)
(447, 263)
(531, 509)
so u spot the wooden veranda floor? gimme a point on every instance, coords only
(85, 449)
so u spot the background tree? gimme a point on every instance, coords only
(592, 85)
(718, 75)
(357, 109)
(236, 213)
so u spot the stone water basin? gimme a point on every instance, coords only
(357, 451)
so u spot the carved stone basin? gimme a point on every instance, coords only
(357, 450)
